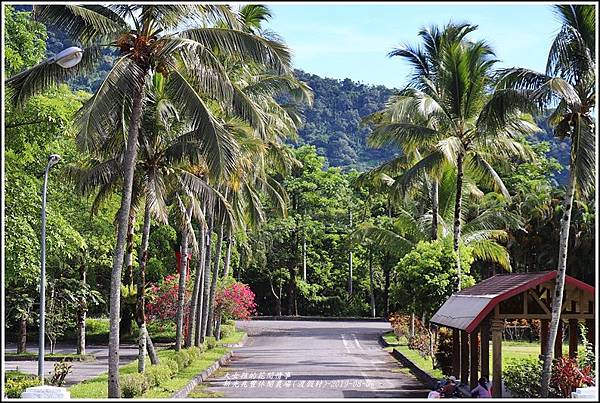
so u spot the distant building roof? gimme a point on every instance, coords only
(465, 309)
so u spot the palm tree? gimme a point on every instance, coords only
(141, 33)
(569, 83)
(467, 126)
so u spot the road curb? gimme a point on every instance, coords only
(187, 389)
(420, 374)
(319, 318)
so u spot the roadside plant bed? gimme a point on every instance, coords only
(173, 373)
(16, 382)
(391, 342)
(48, 357)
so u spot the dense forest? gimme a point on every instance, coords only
(201, 172)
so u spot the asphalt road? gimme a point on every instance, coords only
(314, 359)
(80, 370)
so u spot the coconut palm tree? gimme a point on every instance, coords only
(144, 36)
(467, 127)
(569, 84)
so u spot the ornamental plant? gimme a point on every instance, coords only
(567, 376)
(162, 299)
(234, 300)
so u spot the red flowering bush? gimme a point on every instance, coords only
(234, 300)
(162, 299)
(567, 376)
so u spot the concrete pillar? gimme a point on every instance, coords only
(497, 328)
(474, 369)
(456, 353)
(573, 332)
(558, 341)
(464, 356)
(544, 335)
(485, 350)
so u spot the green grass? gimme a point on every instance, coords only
(234, 338)
(97, 330)
(97, 387)
(74, 356)
(510, 350)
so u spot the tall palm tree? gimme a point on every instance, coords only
(569, 83)
(142, 33)
(467, 127)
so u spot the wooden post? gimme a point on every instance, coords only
(464, 356)
(474, 342)
(544, 335)
(456, 353)
(558, 341)
(497, 328)
(485, 350)
(573, 325)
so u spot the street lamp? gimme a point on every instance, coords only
(68, 57)
(52, 160)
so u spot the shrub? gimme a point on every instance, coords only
(443, 355)
(227, 330)
(234, 299)
(566, 376)
(522, 376)
(230, 322)
(172, 365)
(14, 387)
(157, 374)
(211, 342)
(59, 373)
(182, 358)
(195, 352)
(133, 385)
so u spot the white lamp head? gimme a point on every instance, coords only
(68, 57)
(53, 159)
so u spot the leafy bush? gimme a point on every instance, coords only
(196, 352)
(443, 355)
(59, 373)
(183, 360)
(567, 376)
(172, 365)
(522, 376)
(234, 300)
(15, 386)
(230, 322)
(227, 330)
(133, 385)
(157, 374)
(210, 342)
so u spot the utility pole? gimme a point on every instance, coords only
(304, 246)
(350, 274)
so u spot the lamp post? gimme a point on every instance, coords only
(52, 160)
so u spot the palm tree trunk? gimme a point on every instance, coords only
(434, 209)
(127, 314)
(183, 250)
(81, 314)
(207, 278)
(457, 212)
(144, 343)
(114, 388)
(195, 294)
(215, 279)
(563, 246)
(371, 282)
(228, 255)
(200, 300)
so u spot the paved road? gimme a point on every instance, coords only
(81, 370)
(314, 359)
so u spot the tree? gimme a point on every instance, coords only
(143, 49)
(569, 81)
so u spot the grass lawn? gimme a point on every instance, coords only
(510, 350)
(97, 387)
(97, 331)
(53, 356)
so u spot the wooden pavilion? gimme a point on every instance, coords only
(483, 309)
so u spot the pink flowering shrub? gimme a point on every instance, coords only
(162, 299)
(235, 300)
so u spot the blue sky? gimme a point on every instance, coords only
(352, 40)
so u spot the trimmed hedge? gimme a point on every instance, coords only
(211, 342)
(14, 387)
(227, 330)
(183, 359)
(157, 374)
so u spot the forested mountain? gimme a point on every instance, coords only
(333, 123)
